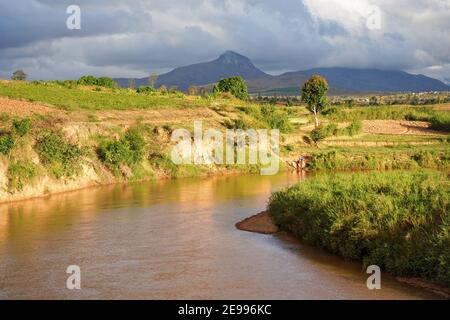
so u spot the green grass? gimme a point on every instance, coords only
(76, 99)
(398, 220)
(380, 158)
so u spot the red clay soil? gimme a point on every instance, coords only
(259, 223)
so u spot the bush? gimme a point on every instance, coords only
(62, 156)
(354, 128)
(136, 143)
(93, 81)
(19, 174)
(22, 127)
(275, 118)
(398, 221)
(6, 143)
(146, 90)
(318, 134)
(128, 150)
(270, 116)
(234, 85)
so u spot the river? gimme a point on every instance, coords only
(169, 240)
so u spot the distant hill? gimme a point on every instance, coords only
(341, 80)
(227, 65)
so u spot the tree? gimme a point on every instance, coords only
(314, 94)
(163, 89)
(234, 85)
(152, 80)
(192, 90)
(19, 75)
(132, 83)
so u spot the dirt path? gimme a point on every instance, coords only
(398, 127)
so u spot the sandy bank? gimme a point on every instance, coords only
(259, 223)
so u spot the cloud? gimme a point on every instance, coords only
(133, 38)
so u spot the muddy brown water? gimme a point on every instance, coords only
(169, 240)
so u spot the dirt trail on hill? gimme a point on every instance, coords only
(398, 127)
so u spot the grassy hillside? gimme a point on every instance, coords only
(97, 98)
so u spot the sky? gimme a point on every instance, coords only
(133, 38)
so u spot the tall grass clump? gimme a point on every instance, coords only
(399, 221)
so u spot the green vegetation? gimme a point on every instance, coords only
(62, 156)
(19, 174)
(314, 94)
(268, 116)
(385, 158)
(234, 85)
(6, 143)
(128, 150)
(322, 132)
(76, 98)
(93, 81)
(399, 221)
(21, 126)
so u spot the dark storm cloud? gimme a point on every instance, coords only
(133, 38)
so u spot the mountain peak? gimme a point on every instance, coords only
(231, 57)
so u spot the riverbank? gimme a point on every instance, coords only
(60, 136)
(396, 220)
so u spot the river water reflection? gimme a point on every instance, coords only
(169, 240)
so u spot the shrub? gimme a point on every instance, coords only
(354, 128)
(106, 82)
(146, 90)
(398, 221)
(136, 143)
(63, 157)
(128, 150)
(19, 174)
(318, 134)
(6, 143)
(275, 118)
(22, 127)
(236, 124)
(87, 81)
(115, 153)
(234, 85)
(93, 81)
